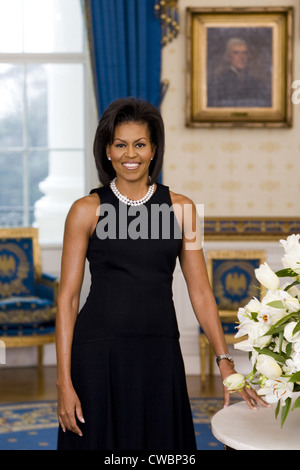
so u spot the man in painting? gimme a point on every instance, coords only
(234, 86)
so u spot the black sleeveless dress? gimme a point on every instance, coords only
(127, 366)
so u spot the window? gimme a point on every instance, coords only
(42, 112)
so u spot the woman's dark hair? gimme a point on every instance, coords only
(121, 111)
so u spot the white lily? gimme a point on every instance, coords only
(256, 332)
(268, 367)
(253, 305)
(235, 382)
(258, 317)
(245, 322)
(288, 332)
(267, 277)
(271, 315)
(245, 346)
(291, 258)
(274, 390)
(292, 365)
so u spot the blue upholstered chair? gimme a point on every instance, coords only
(28, 297)
(232, 278)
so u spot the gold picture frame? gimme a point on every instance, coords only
(251, 229)
(239, 67)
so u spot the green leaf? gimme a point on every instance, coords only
(267, 352)
(277, 409)
(296, 404)
(285, 319)
(254, 316)
(295, 377)
(297, 328)
(295, 283)
(274, 330)
(288, 272)
(276, 304)
(288, 349)
(280, 340)
(285, 410)
(278, 326)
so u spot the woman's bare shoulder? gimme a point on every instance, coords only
(180, 199)
(88, 203)
(84, 211)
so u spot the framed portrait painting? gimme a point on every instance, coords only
(239, 67)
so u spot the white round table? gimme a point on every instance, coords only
(240, 428)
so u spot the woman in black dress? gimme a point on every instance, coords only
(120, 374)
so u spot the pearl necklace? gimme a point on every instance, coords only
(126, 200)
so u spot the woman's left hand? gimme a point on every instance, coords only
(249, 395)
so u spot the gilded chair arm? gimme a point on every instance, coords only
(46, 286)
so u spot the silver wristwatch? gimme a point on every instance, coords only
(224, 356)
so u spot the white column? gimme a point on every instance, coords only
(65, 181)
(61, 188)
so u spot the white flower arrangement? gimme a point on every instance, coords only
(272, 326)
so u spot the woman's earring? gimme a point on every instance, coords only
(109, 158)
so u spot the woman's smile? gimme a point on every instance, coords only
(131, 165)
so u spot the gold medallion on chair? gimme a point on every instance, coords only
(233, 281)
(14, 269)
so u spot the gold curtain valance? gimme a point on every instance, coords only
(167, 11)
